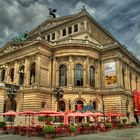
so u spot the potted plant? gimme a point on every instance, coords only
(73, 130)
(134, 124)
(48, 131)
(121, 125)
(124, 120)
(108, 126)
(2, 125)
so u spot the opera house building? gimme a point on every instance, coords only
(71, 55)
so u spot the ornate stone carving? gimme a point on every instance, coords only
(79, 58)
(63, 59)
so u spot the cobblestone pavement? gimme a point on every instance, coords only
(125, 134)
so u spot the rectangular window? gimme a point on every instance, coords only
(64, 32)
(76, 28)
(48, 37)
(69, 30)
(53, 36)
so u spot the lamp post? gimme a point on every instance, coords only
(11, 93)
(58, 94)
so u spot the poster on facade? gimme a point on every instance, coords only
(110, 73)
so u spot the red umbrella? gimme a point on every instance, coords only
(47, 112)
(9, 113)
(97, 114)
(27, 113)
(74, 114)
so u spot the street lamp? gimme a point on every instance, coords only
(11, 93)
(58, 94)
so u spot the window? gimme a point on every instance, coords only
(92, 76)
(78, 75)
(69, 30)
(123, 77)
(32, 74)
(21, 75)
(64, 32)
(130, 77)
(3, 74)
(76, 28)
(12, 74)
(63, 75)
(94, 105)
(62, 106)
(53, 36)
(48, 37)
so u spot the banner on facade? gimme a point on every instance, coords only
(110, 73)
(137, 101)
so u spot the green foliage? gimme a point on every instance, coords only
(42, 118)
(86, 124)
(124, 120)
(48, 129)
(61, 124)
(72, 128)
(2, 124)
(49, 118)
(108, 125)
(120, 125)
(133, 123)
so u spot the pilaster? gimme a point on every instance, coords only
(70, 72)
(16, 74)
(27, 72)
(54, 72)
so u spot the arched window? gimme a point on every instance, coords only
(32, 73)
(62, 106)
(130, 77)
(21, 75)
(3, 74)
(79, 105)
(78, 75)
(123, 77)
(12, 74)
(92, 76)
(63, 75)
(95, 105)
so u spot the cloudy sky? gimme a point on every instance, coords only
(120, 17)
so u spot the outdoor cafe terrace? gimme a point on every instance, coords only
(60, 124)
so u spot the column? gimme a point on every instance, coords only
(57, 74)
(27, 72)
(127, 79)
(16, 74)
(7, 73)
(85, 25)
(84, 74)
(54, 72)
(70, 72)
(87, 72)
(37, 70)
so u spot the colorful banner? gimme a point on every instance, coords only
(110, 73)
(137, 101)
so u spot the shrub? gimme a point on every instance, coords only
(48, 129)
(61, 124)
(124, 120)
(133, 123)
(72, 128)
(2, 124)
(86, 124)
(49, 119)
(120, 125)
(108, 125)
(42, 118)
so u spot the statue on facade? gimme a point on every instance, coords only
(52, 11)
(32, 79)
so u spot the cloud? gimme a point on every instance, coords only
(121, 18)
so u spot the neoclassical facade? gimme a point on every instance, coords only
(77, 54)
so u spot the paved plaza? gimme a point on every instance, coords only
(124, 134)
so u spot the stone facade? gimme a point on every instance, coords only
(68, 41)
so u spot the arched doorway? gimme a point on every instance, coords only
(62, 106)
(79, 105)
(95, 105)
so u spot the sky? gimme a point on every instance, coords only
(120, 17)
